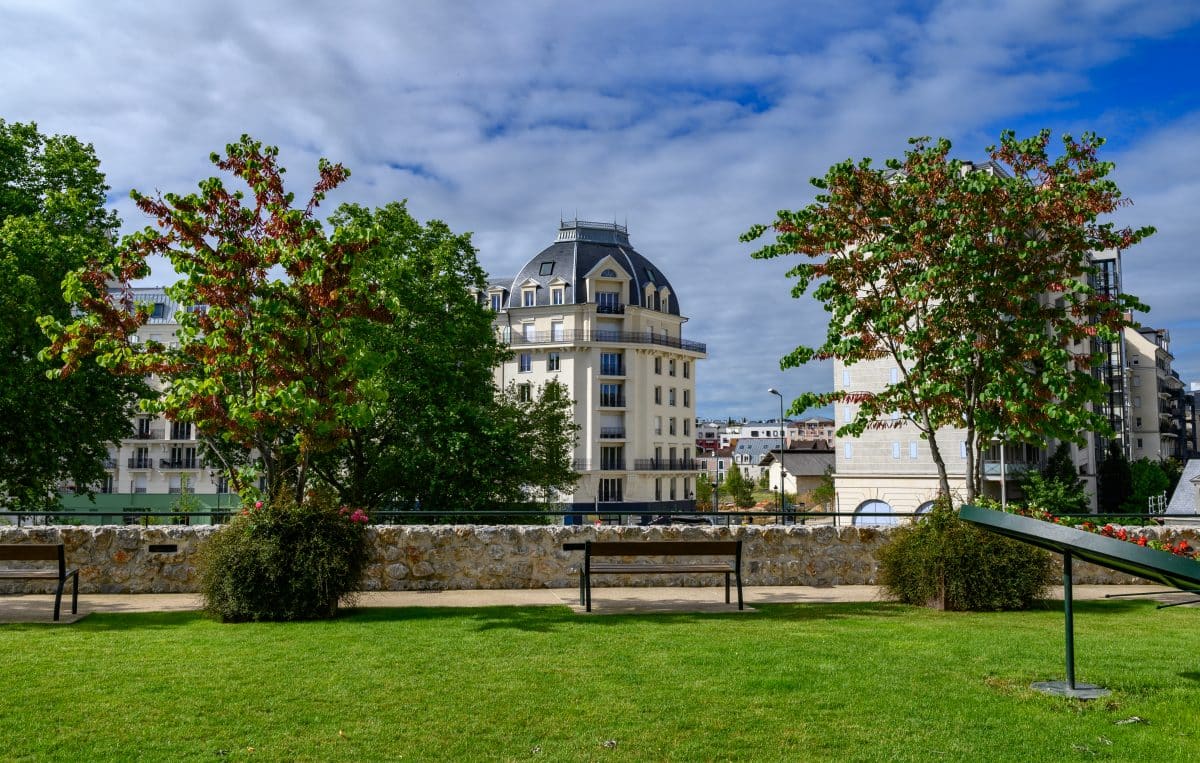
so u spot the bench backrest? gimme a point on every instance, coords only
(664, 548)
(22, 552)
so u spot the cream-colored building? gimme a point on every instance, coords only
(602, 319)
(1155, 395)
(159, 456)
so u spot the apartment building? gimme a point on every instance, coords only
(159, 456)
(1156, 393)
(592, 312)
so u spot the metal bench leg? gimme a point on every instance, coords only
(726, 587)
(739, 585)
(75, 594)
(588, 606)
(58, 597)
(581, 596)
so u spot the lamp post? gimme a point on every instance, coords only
(782, 446)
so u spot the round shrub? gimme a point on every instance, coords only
(281, 561)
(944, 562)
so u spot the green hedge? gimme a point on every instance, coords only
(943, 562)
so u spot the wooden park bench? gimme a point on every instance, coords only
(28, 552)
(668, 549)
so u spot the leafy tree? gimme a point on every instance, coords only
(1061, 468)
(52, 220)
(1114, 480)
(437, 430)
(739, 488)
(764, 481)
(1147, 479)
(704, 493)
(824, 494)
(1057, 488)
(262, 363)
(971, 280)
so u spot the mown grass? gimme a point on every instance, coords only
(789, 682)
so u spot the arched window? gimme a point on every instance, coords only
(926, 507)
(874, 507)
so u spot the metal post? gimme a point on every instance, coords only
(1069, 617)
(782, 447)
(1004, 484)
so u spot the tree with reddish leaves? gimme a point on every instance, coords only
(261, 364)
(972, 280)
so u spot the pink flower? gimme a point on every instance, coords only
(359, 516)
(258, 504)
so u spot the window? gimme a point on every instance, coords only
(849, 451)
(671, 425)
(546, 269)
(610, 490)
(658, 425)
(223, 485)
(671, 396)
(611, 365)
(525, 393)
(896, 450)
(525, 362)
(658, 395)
(658, 366)
(612, 457)
(1139, 421)
(912, 450)
(687, 487)
(845, 378)
(608, 301)
(527, 298)
(687, 369)
(671, 367)
(649, 275)
(962, 450)
(687, 398)
(673, 482)
(495, 303)
(1139, 442)
(895, 376)
(608, 273)
(687, 427)
(612, 396)
(181, 430)
(556, 331)
(527, 331)
(1137, 381)
(160, 310)
(552, 361)
(556, 295)
(658, 488)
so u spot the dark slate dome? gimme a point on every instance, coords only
(575, 253)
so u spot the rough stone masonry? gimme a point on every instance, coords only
(162, 559)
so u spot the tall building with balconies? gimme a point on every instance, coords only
(593, 313)
(1156, 395)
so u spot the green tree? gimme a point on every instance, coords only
(739, 488)
(1057, 488)
(944, 269)
(1060, 467)
(704, 493)
(262, 364)
(1147, 479)
(52, 220)
(437, 429)
(824, 494)
(1114, 480)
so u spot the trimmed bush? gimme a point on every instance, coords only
(279, 561)
(944, 562)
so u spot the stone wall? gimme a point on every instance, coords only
(130, 559)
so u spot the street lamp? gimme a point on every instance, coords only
(782, 446)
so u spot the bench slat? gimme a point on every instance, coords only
(651, 568)
(664, 548)
(28, 551)
(29, 574)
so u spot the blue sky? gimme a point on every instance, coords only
(691, 121)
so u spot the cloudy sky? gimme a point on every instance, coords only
(690, 121)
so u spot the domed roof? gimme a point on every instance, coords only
(579, 248)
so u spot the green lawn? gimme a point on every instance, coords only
(790, 682)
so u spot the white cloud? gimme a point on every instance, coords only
(692, 121)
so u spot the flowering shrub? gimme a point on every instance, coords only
(945, 562)
(1180, 548)
(280, 561)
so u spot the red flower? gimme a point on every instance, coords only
(1141, 541)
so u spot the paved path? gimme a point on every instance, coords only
(16, 608)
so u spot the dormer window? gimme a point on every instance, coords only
(528, 296)
(608, 273)
(556, 295)
(496, 300)
(546, 269)
(160, 310)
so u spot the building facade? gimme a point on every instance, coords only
(599, 317)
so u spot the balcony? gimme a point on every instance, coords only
(667, 465)
(612, 369)
(575, 336)
(141, 463)
(612, 401)
(110, 463)
(612, 433)
(148, 434)
(180, 463)
(608, 308)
